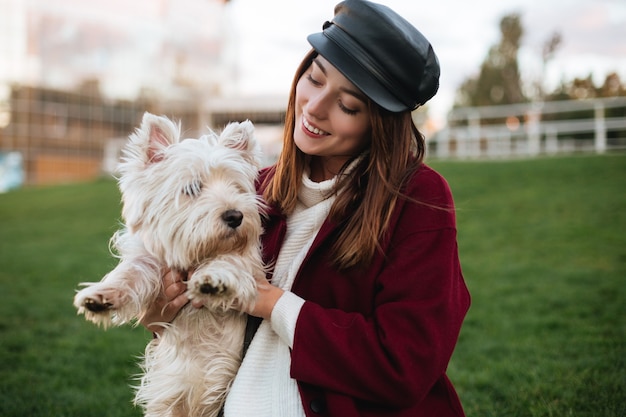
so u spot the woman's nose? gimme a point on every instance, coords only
(317, 105)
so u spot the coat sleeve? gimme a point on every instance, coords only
(394, 355)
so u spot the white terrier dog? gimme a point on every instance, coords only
(188, 205)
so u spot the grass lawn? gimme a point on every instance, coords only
(543, 249)
(544, 255)
(53, 363)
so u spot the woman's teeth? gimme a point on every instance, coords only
(313, 129)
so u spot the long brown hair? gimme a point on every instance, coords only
(367, 196)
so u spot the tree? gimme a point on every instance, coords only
(498, 81)
(582, 88)
(547, 53)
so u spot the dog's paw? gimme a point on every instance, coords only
(98, 305)
(95, 301)
(208, 288)
(211, 289)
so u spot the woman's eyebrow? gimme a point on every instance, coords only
(357, 94)
(320, 65)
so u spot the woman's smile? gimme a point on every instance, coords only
(334, 125)
(313, 130)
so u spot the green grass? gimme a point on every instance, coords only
(544, 254)
(53, 363)
(543, 250)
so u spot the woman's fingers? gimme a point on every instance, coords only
(168, 304)
(173, 290)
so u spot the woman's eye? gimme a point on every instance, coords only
(193, 189)
(347, 110)
(312, 80)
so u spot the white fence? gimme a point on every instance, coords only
(532, 129)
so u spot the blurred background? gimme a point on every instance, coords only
(519, 77)
(528, 128)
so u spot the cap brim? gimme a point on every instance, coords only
(354, 72)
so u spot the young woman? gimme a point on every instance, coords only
(365, 302)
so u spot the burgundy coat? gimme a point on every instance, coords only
(377, 342)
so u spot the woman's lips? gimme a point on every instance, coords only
(311, 129)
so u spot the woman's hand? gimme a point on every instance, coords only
(266, 298)
(168, 304)
(174, 298)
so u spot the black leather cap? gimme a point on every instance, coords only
(381, 53)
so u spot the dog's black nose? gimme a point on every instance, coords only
(232, 218)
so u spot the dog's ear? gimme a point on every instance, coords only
(160, 133)
(241, 136)
(156, 144)
(238, 135)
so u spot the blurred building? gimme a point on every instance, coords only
(75, 79)
(156, 45)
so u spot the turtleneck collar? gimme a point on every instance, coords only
(312, 193)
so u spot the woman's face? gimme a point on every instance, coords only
(332, 120)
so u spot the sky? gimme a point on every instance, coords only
(269, 36)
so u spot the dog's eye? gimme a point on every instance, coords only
(193, 189)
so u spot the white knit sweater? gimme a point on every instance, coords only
(263, 386)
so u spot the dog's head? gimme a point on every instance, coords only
(191, 199)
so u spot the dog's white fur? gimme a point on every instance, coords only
(182, 200)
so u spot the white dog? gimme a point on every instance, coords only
(187, 205)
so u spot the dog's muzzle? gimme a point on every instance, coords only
(232, 218)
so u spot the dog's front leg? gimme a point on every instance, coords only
(123, 294)
(223, 283)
